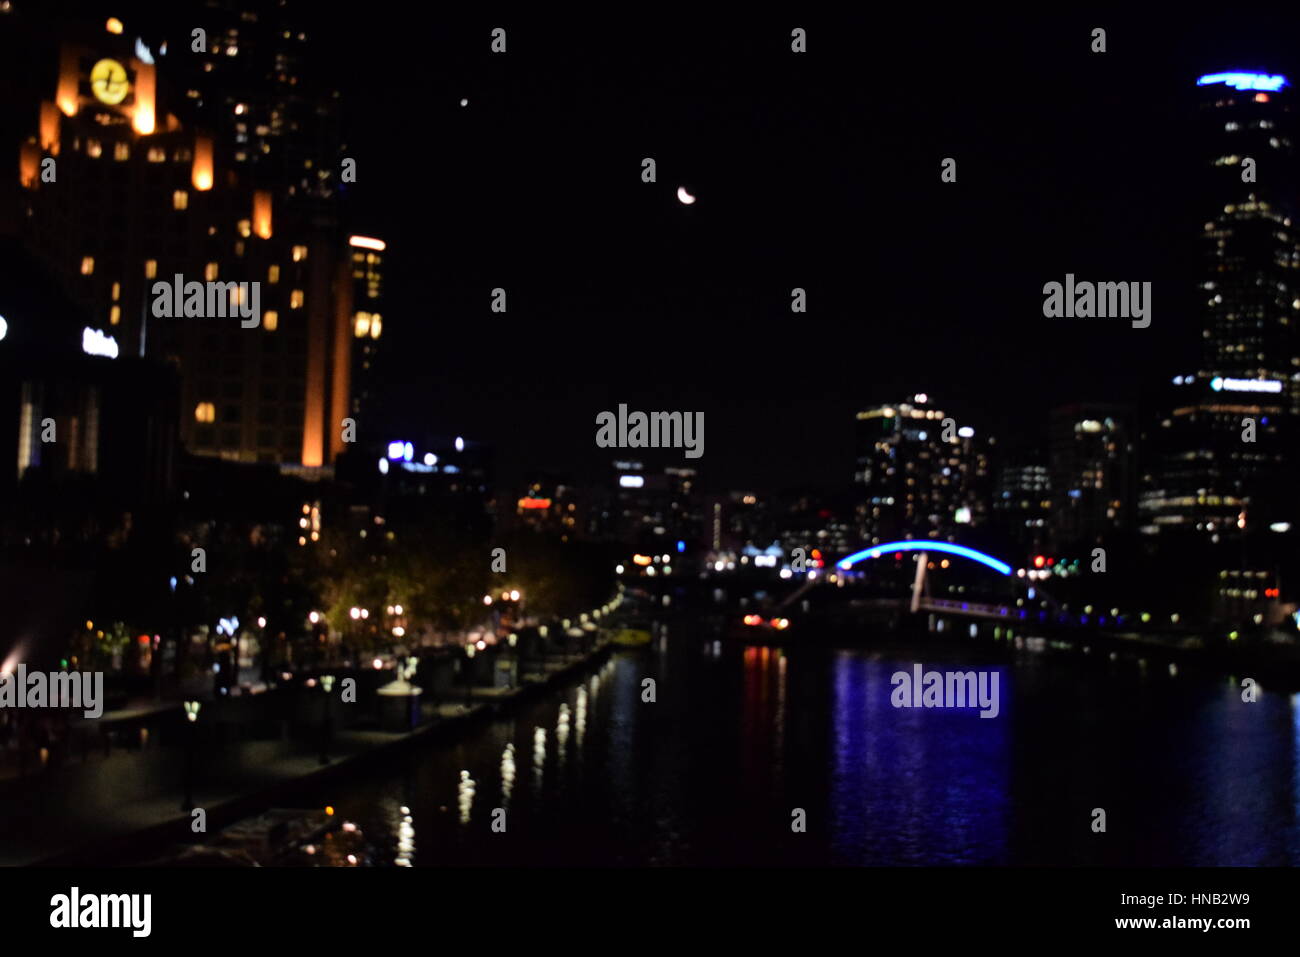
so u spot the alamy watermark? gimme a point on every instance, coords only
(946, 689)
(651, 430)
(208, 300)
(57, 689)
(1098, 300)
(78, 910)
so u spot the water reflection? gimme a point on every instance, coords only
(738, 737)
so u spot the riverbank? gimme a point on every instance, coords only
(127, 808)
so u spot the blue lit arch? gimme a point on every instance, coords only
(875, 551)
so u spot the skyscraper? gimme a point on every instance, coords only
(1221, 459)
(213, 159)
(923, 473)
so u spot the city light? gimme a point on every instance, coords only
(96, 343)
(910, 546)
(1245, 81)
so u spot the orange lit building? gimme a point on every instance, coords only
(195, 164)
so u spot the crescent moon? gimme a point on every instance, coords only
(684, 197)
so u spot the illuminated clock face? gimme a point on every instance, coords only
(108, 82)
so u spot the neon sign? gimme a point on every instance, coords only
(1245, 81)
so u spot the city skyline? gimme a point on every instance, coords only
(440, 439)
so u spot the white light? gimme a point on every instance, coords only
(464, 102)
(922, 397)
(314, 617)
(631, 481)
(95, 343)
(4, 327)
(408, 451)
(430, 459)
(142, 52)
(365, 242)
(261, 623)
(514, 595)
(962, 517)
(396, 450)
(460, 444)
(1219, 383)
(685, 198)
(1280, 527)
(618, 569)
(966, 432)
(383, 466)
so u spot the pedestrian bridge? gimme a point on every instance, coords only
(921, 601)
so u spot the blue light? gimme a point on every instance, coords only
(1245, 81)
(875, 551)
(681, 545)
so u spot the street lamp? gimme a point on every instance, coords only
(327, 683)
(191, 716)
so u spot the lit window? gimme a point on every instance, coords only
(87, 265)
(273, 274)
(270, 319)
(295, 299)
(299, 253)
(121, 151)
(150, 268)
(117, 291)
(210, 272)
(245, 228)
(180, 199)
(94, 149)
(362, 328)
(115, 315)
(157, 155)
(205, 412)
(376, 325)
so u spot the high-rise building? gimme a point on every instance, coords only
(921, 474)
(1220, 461)
(1022, 501)
(162, 165)
(1092, 466)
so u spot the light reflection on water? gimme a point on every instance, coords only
(737, 738)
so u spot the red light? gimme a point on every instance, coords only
(534, 503)
(1261, 97)
(1039, 561)
(144, 639)
(1051, 562)
(898, 556)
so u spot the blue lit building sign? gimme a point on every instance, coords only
(1245, 81)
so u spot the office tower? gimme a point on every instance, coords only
(921, 473)
(1203, 477)
(1092, 467)
(174, 166)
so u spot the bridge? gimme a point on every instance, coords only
(921, 600)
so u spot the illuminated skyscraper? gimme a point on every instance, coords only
(217, 166)
(1203, 475)
(923, 477)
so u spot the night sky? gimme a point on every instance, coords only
(818, 170)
